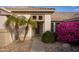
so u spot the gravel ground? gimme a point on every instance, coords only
(17, 46)
(58, 47)
(35, 45)
(38, 46)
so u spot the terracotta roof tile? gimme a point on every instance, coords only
(65, 16)
(29, 9)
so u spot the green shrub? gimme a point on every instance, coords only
(48, 37)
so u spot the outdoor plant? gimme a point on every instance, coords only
(29, 22)
(68, 32)
(13, 23)
(48, 37)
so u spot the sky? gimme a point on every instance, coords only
(59, 8)
(63, 8)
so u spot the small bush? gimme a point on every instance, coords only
(48, 37)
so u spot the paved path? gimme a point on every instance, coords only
(37, 45)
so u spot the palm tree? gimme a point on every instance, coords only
(33, 24)
(13, 23)
(9, 24)
(21, 20)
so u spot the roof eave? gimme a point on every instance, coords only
(5, 10)
(33, 11)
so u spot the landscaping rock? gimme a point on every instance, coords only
(66, 45)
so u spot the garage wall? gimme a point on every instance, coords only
(2, 22)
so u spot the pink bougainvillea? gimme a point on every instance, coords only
(68, 31)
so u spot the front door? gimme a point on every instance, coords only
(39, 29)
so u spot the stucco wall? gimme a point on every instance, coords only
(47, 23)
(5, 38)
(2, 22)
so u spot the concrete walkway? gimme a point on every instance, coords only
(37, 45)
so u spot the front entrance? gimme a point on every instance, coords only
(39, 29)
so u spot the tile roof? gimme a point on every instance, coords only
(23, 9)
(65, 16)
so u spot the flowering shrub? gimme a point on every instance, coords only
(68, 31)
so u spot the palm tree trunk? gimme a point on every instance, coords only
(17, 32)
(11, 32)
(26, 31)
(11, 35)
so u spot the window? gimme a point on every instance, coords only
(34, 17)
(40, 17)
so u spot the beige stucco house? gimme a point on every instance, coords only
(46, 19)
(43, 17)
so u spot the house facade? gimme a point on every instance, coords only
(46, 18)
(42, 16)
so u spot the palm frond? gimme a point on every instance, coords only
(32, 22)
(22, 20)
